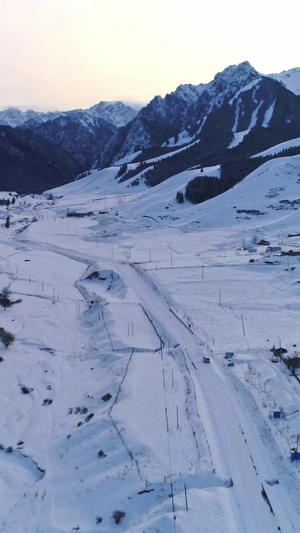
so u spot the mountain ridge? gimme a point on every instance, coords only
(117, 113)
(214, 122)
(190, 116)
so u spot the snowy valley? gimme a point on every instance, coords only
(111, 421)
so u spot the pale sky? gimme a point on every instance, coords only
(67, 54)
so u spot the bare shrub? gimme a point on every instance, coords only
(118, 515)
(6, 337)
(5, 301)
(101, 454)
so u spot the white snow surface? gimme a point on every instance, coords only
(238, 138)
(114, 311)
(293, 143)
(290, 79)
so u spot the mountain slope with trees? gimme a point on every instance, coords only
(29, 163)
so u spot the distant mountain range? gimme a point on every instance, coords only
(115, 113)
(79, 135)
(239, 113)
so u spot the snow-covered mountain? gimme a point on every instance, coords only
(239, 113)
(184, 109)
(115, 113)
(15, 117)
(81, 133)
(237, 100)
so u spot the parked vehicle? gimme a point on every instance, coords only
(229, 355)
(230, 363)
(206, 359)
(275, 359)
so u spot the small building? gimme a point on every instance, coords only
(263, 242)
(273, 249)
(276, 414)
(295, 456)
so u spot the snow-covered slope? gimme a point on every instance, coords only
(253, 199)
(293, 143)
(290, 79)
(275, 178)
(111, 421)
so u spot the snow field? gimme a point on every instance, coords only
(49, 353)
(167, 290)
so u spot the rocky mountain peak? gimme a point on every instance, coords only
(14, 117)
(234, 77)
(116, 113)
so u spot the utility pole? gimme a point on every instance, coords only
(185, 494)
(167, 422)
(243, 325)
